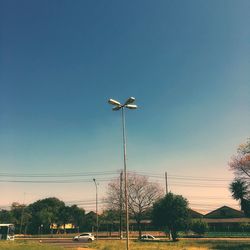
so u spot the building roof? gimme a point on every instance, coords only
(224, 212)
(194, 214)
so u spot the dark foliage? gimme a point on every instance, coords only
(171, 213)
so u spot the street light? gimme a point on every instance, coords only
(117, 106)
(96, 208)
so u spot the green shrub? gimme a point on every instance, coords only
(199, 227)
(245, 227)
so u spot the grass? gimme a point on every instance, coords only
(228, 234)
(183, 244)
(179, 245)
(26, 245)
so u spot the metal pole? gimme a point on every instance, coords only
(121, 210)
(96, 208)
(21, 224)
(128, 104)
(125, 178)
(166, 179)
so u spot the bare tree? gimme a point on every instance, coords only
(240, 187)
(141, 195)
(240, 162)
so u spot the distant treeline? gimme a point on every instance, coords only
(48, 215)
(51, 215)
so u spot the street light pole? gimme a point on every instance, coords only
(121, 206)
(96, 200)
(128, 104)
(125, 177)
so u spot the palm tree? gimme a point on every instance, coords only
(239, 190)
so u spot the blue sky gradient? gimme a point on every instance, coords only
(186, 62)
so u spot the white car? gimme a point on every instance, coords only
(85, 237)
(147, 237)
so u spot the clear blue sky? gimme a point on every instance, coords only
(185, 62)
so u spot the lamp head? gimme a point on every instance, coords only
(114, 102)
(129, 101)
(117, 107)
(131, 106)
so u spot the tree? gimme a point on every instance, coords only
(64, 216)
(240, 163)
(240, 192)
(240, 187)
(39, 216)
(77, 216)
(109, 219)
(44, 213)
(18, 215)
(171, 214)
(16, 211)
(141, 195)
(89, 221)
(6, 217)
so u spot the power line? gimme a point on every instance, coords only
(105, 180)
(37, 182)
(159, 176)
(182, 177)
(209, 204)
(209, 198)
(58, 180)
(172, 178)
(197, 185)
(58, 175)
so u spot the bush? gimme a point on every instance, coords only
(199, 227)
(245, 227)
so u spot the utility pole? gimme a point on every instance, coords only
(121, 210)
(21, 224)
(166, 180)
(96, 209)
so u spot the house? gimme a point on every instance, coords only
(224, 212)
(225, 219)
